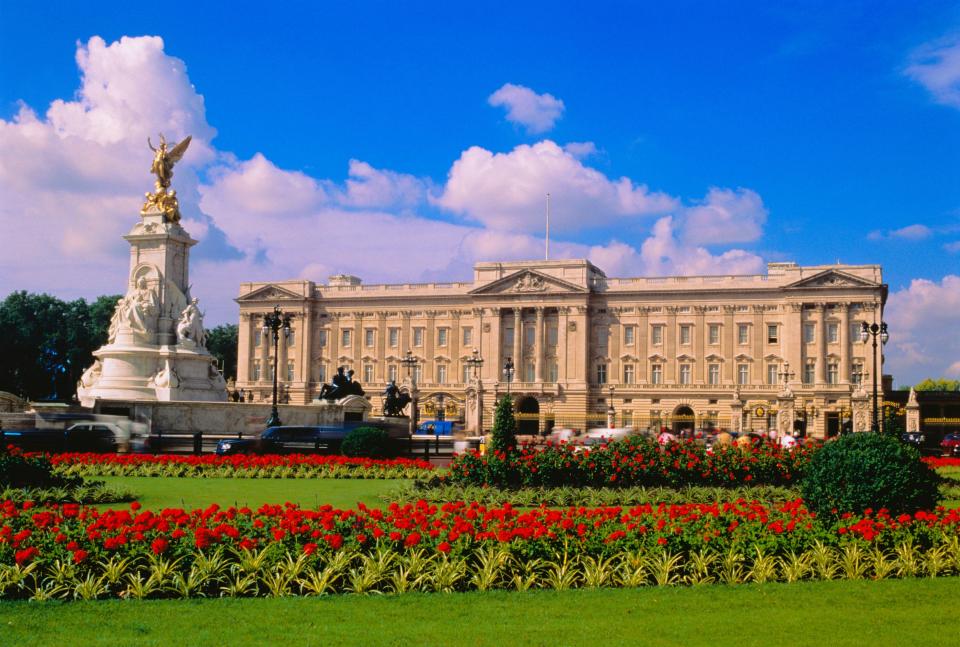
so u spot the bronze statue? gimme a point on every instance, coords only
(164, 199)
(341, 385)
(394, 401)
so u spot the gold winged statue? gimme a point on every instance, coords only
(164, 159)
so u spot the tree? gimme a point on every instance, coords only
(504, 427)
(940, 384)
(222, 344)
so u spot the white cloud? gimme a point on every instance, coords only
(581, 150)
(923, 330)
(725, 216)
(508, 191)
(536, 112)
(936, 66)
(913, 232)
(663, 254)
(953, 247)
(370, 187)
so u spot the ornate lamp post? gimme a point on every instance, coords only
(785, 375)
(275, 322)
(866, 332)
(411, 362)
(508, 373)
(476, 363)
(611, 412)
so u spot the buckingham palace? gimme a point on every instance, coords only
(776, 351)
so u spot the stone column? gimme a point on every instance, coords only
(822, 343)
(614, 330)
(642, 341)
(429, 348)
(282, 359)
(670, 345)
(699, 335)
(539, 344)
(358, 342)
(306, 353)
(380, 367)
(759, 343)
(844, 343)
(794, 337)
(266, 340)
(517, 345)
(728, 347)
(453, 347)
(563, 352)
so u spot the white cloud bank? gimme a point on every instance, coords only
(924, 341)
(936, 66)
(538, 113)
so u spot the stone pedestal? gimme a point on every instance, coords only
(913, 412)
(785, 413)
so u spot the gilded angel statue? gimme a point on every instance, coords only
(164, 159)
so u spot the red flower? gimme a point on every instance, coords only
(309, 548)
(25, 555)
(159, 545)
(443, 547)
(79, 556)
(412, 539)
(135, 506)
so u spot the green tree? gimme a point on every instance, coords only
(940, 384)
(222, 344)
(504, 427)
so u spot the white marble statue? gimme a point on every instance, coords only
(91, 375)
(137, 311)
(190, 327)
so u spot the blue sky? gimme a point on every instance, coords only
(817, 132)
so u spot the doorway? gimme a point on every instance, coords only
(528, 416)
(683, 420)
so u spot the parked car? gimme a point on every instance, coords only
(87, 436)
(913, 438)
(950, 445)
(304, 439)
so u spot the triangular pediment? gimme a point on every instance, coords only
(528, 282)
(269, 293)
(832, 279)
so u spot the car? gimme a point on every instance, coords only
(604, 435)
(950, 445)
(913, 438)
(86, 436)
(298, 439)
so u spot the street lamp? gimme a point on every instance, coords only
(508, 373)
(411, 362)
(475, 362)
(275, 322)
(785, 375)
(866, 332)
(611, 412)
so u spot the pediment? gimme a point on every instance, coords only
(657, 357)
(713, 357)
(528, 282)
(684, 357)
(832, 279)
(743, 358)
(270, 293)
(772, 357)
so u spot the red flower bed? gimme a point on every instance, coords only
(237, 461)
(941, 461)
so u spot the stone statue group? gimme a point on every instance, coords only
(138, 311)
(343, 384)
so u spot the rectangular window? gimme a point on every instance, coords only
(529, 372)
(833, 333)
(628, 418)
(290, 372)
(656, 374)
(368, 373)
(772, 373)
(552, 335)
(418, 373)
(418, 336)
(684, 374)
(628, 335)
(508, 337)
(322, 373)
(442, 334)
(855, 331)
(773, 335)
(291, 338)
(856, 374)
(602, 333)
(554, 372)
(257, 337)
(369, 337)
(713, 374)
(833, 374)
(714, 334)
(345, 338)
(323, 338)
(743, 373)
(394, 334)
(392, 372)
(529, 336)
(656, 335)
(809, 371)
(628, 373)
(743, 334)
(442, 374)
(601, 373)
(809, 333)
(685, 334)
(256, 370)
(467, 375)
(467, 336)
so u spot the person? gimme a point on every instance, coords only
(787, 441)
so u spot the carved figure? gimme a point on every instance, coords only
(190, 326)
(529, 283)
(164, 159)
(136, 311)
(91, 375)
(394, 401)
(341, 385)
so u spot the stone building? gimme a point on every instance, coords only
(779, 350)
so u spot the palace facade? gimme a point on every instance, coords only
(779, 350)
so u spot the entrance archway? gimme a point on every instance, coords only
(683, 419)
(528, 416)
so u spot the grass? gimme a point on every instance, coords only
(890, 612)
(194, 492)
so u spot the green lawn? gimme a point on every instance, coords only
(194, 492)
(890, 612)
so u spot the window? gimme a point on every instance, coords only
(773, 335)
(257, 337)
(554, 372)
(322, 373)
(508, 337)
(628, 373)
(290, 372)
(418, 336)
(684, 374)
(394, 335)
(467, 336)
(256, 370)
(418, 373)
(713, 374)
(345, 336)
(392, 372)
(685, 334)
(856, 374)
(855, 331)
(467, 376)
(713, 334)
(368, 373)
(772, 373)
(552, 335)
(809, 333)
(270, 371)
(628, 335)
(656, 335)
(628, 418)
(529, 336)
(442, 374)
(442, 334)
(809, 373)
(601, 373)
(603, 335)
(833, 373)
(656, 374)
(743, 334)
(369, 336)
(833, 333)
(743, 373)
(529, 372)
(323, 338)
(291, 337)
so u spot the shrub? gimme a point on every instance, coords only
(504, 427)
(367, 442)
(867, 470)
(17, 470)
